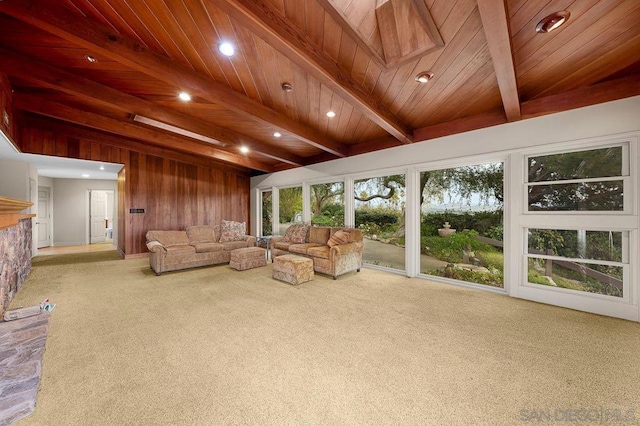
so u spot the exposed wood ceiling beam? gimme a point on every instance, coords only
(578, 98)
(460, 125)
(374, 145)
(90, 135)
(102, 40)
(267, 23)
(584, 96)
(62, 112)
(22, 67)
(496, 28)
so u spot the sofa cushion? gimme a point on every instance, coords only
(302, 248)
(355, 234)
(319, 234)
(169, 238)
(181, 249)
(232, 231)
(201, 234)
(232, 245)
(340, 237)
(207, 247)
(282, 245)
(296, 233)
(320, 251)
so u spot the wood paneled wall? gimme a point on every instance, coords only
(174, 194)
(6, 104)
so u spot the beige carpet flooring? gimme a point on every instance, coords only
(216, 346)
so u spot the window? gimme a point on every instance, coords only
(267, 213)
(327, 204)
(290, 207)
(577, 229)
(461, 223)
(379, 212)
(590, 180)
(589, 261)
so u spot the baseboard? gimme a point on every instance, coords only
(133, 256)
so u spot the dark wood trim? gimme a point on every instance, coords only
(598, 93)
(374, 145)
(460, 125)
(496, 29)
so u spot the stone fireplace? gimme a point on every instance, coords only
(15, 248)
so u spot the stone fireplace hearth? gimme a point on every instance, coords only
(15, 248)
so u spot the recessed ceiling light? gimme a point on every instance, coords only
(85, 175)
(277, 134)
(90, 58)
(226, 48)
(331, 114)
(553, 21)
(185, 96)
(244, 149)
(286, 87)
(424, 77)
(101, 167)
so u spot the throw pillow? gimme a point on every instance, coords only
(296, 233)
(232, 231)
(340, 237)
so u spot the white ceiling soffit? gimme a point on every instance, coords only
(58, 167)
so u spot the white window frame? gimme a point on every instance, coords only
(508, 254)
(625, 177)
(352, 211)
(625, 220)
(276, 223)
(274, 210)
(339, 179)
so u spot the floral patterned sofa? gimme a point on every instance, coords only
(334, 251)
(199, 245)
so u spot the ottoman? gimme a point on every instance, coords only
(293, 269)
(247, 258)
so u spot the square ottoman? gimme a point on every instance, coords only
(248, 258)
(293, 269)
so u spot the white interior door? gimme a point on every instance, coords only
(97, 215)
(44, 217)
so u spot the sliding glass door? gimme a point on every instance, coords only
(289, 207)
(327, 204)
(461, 223)
(380, 213)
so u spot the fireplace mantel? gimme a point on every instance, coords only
(10, 209)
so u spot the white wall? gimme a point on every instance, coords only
(70, 205)
(14, 179)
(19, 180)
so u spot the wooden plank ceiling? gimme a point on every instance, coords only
(357, 58)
